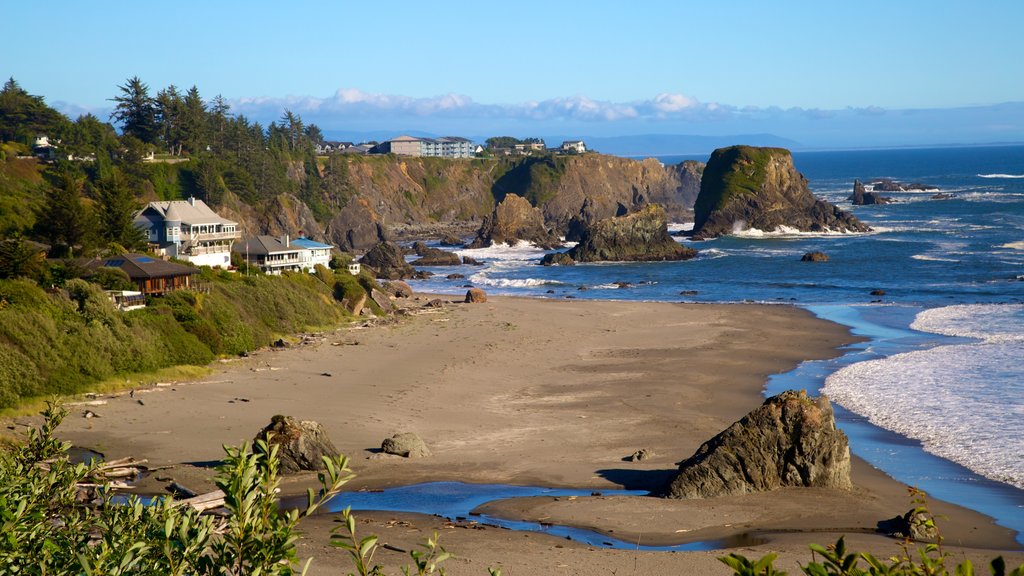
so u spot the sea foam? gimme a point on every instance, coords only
(1009, 176)
(964, 402)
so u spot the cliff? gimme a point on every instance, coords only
(747, 187)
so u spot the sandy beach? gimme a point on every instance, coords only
(532, 392)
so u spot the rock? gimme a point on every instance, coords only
(640, 236)
(357, 227)
(456, 276)
(861, 197)
(557, 259)
(942, 196)
(641, 455)
(286, 214)
(301, 445)
(688, 293)
(418, 248)
(514, 219)
(451, 240)
(398, 289)
(814, 257)
(437, 257)
(475, 296)
(354, 305)
(471, 261)
(387, 259)
(435, 303)
(422, 274)
(280, 343)
(790, 440)
(406, 444)
(621, 284)
(747, 187)
(382, 300)
(914, 525)
(878, 292)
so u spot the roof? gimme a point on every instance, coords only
(141, 266)
(192, 211)
(257, 245)
(310, 244)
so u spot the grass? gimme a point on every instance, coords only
(732, 172)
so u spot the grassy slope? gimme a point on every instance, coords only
(733, 172)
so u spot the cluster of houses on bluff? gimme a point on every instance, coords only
(190, 231)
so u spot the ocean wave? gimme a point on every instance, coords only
(1008, 176)
(788, 232)
(483, 279)
(930, 258)
(680, 227)
(521, 251)
(1013, 245)
(988, 322)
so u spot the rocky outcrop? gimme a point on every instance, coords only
(914, 524)
(889, 185)
(436, 257)
(406, 444)
(790, 440)
(387, 260)
(814, 257)
(301, 445)
(514, 219)
(641, 236)
(287, 215)
(398, 289)
(746, 187)
(861, 197)
(356, 227)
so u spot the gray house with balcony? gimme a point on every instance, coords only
(188, 230)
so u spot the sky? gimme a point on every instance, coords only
(821, 73)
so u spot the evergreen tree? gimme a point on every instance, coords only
(136, 111)
(194, 133)
(65, 221)
(19, 259)
(218, 120)
(116, 206)
(24, 116)
(170, 109)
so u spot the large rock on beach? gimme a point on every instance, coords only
(437, 257)
(389, 262)
(406, 444)
(475, 296)
(640, 236)
(301, 445)
(514, 219)
(861, 197)
(747, 187)
(790, 440)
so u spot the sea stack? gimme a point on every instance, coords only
(748, 187)
(637, 237)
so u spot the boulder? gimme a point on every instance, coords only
(471, 261)
(557, 259)
(301, 445)
(790, 440)
(382, 300)
(814, 257)
(356, 227)
(747, 187)
(437, 257)
(640, 236)
(862, 197)
(406, 444)
(456, 276)
(398, 289)
(512, 220)
(435, 303)
(355, 304)
(451, 240)
(387, 259)
(641, 455)
(914, 525)
(475, 296)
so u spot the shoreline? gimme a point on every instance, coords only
(529, 392)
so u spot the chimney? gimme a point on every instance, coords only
(286, 241)
(192, 200)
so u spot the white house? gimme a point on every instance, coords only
(274, 255)
(576, 146)
(188, 230)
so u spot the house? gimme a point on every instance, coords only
(188, 230)
(528, 147)
(153, 276)
(315, 254)
(444, 147)
(573, 146)
(127, 300)
(43, 149)
(274, 255)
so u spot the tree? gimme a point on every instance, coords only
(116, 206)
(194, 133)
(19, 258)
(169, 111)
(64, 219)
(219, 120)
(314, 134)
(136, 111)
(293, 128)
(24, 116)
(501, 142)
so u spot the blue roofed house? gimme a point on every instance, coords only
(188, 230)
(274, 255)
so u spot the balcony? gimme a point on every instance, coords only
(211, 236)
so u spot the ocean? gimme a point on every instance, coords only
(935, 397)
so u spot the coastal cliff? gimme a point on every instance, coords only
(357, 199)
(747, 187)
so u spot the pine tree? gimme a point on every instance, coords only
(116, 207)
(65, 221)
(136, 111)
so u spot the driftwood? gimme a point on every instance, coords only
(204, 502)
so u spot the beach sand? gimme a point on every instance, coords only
(532, 392)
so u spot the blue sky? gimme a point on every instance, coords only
(821, 73)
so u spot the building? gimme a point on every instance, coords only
(274, 255)
(188, 230)
(315, 254)
(573, 146)
(152, 275)
(444, 147)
